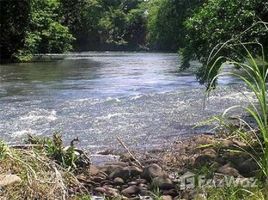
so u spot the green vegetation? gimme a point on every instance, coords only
(194, 27)
(220, 21)
(212, 32)
(166, 31)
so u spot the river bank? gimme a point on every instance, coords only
(198, 167)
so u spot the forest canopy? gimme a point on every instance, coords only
(192, 27)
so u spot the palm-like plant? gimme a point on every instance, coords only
(254, 73)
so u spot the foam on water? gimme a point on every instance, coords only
(140, 97)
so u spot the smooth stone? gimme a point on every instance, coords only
(202, 160)
(126, 172)
(152, 171)
(107, 190)
(119, 181)
(229, 171)
(131, 190)
(132, 183)
(163, 183)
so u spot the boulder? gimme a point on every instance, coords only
(131, 190)
(152, 171)
(163, 183)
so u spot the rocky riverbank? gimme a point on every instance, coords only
(186, 170)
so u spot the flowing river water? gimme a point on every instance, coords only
(97, 96)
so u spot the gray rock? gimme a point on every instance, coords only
(247, 167)
(121, 173)
(119, 181)
(126, 172)
(163, 183)
(109, 191)
(152, 171)
(131, 190)
(108, 169)
(132, 183)
(203, 160)
(134, 171)
(229, 171)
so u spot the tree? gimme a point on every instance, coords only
(219, 21)
(14, 20)
(45, 33)
(165, 22)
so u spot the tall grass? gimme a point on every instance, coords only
(253, 72)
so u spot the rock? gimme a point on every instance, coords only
(132, 183)
(166, 197)
(9, 179)
(134, 171)
(203, 160)
(152, 171)
(121, 173)
(93, 170)
(100, 189)
(98, 179)
(172, 192)
(204, 140)
(229, 171)
(109, 191)
(131, 190)
(140, 180)
(108, 169)
(142, 185)
(119, 181)
(163, 183)
(210, 152)
(247, 167)
(126, 172)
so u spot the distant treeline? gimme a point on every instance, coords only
(192, 27)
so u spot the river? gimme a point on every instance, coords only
(140, 97)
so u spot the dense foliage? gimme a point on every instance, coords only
(14, 19)
(229, 21)
(45, 33)
(196, 26)
(165, 22)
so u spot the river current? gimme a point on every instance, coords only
(140, 97)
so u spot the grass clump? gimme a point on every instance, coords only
(68, 157)
(46, 169)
